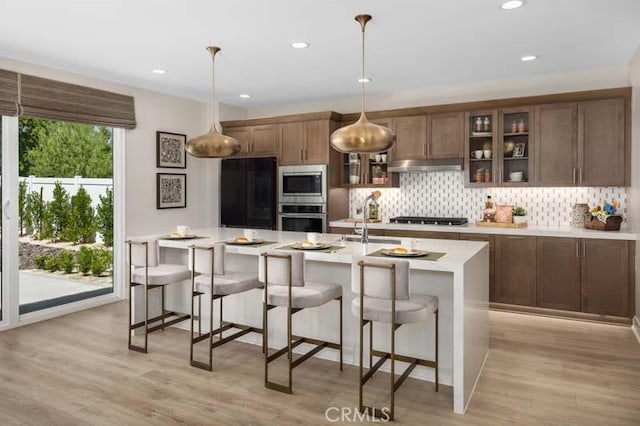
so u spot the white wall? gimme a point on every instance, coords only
(155, 111)
(634, 191)
(547, 84)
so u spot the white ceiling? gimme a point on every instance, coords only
(411, 44)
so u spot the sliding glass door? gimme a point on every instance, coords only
(59, 205)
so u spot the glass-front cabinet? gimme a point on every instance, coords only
(480, 143)
(516, 147)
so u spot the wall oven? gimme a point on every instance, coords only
(302, 217)
(303, 184)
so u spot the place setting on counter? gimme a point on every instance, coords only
(314, 242)
(249, 238)
(408, 249)
(181, 233)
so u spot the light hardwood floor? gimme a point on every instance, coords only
(77, 370)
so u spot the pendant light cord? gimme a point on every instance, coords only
(214, 124)
(362, 82)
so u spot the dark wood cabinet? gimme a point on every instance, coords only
(411, 138)
(264, 141)
(558, 273)
(601, 147)
(445, 135)
(556, 140)
(316, 135)
(421, 234)
(291, 144)
(242, 135)
(605, 277)
(492, 256)
(515, 270)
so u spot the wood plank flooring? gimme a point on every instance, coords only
(77, 370)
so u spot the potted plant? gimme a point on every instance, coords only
(519, 215)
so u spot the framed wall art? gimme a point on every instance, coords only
(170, 152)
(171, 190)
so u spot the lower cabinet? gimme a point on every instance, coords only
(515, 270)
(558, 273)
(605, 273)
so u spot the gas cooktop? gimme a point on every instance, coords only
(454, 221)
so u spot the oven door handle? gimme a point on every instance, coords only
(305, 215)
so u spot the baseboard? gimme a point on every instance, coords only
(555, 313)
(635, 327)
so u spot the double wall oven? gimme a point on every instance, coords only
(302, 198)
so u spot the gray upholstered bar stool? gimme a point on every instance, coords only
(210, 276)
(283, 276)
(383, 296)
(145, 270)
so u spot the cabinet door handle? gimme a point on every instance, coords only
(306, 154)
(573, 172)
(301, 157)
(580, 175)
(577, 249)
(514, 238)
(428, 149)
(584, 250)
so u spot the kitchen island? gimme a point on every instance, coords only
(460, 279)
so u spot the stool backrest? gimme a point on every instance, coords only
(203, 258)
(278, 268)
(377, 281)
(138, 251)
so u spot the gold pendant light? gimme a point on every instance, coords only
(363, 136)
(213, 144)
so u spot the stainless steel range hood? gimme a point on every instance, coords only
(405, 166)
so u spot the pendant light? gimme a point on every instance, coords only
(363, 136)
(213, 144)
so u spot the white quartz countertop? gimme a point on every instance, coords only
(534, 231)
(457, 252)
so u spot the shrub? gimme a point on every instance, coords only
(82, 228)
(104, 218)
(51, 264)
(36, 212)
(64, 261)
(39, 261)
(84, 258)
(59, 209)
(100, 262)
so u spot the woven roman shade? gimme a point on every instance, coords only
(8, 93)
(55, 100)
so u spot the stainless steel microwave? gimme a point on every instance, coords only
(303, 184)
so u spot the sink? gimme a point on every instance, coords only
(380, 240)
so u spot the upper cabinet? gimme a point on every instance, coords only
(411, 138)
(445, 135)
(255, 141)
(581, 144)
(516, 149)
(556, 144)
(601, 147)
(480, 145)
(304, 143)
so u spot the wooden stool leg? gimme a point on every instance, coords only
(360, 370)
(392, 380)
(265, 337)
(220, 335)
(371, 344)
(289, 348)
(340, 307)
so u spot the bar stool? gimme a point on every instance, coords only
(209, 275)
(383, 289)
(284, 286)
(145, 270)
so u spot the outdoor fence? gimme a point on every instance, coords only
(94, 187)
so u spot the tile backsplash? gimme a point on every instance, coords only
(443, 194)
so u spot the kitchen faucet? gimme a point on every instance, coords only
(365, 231)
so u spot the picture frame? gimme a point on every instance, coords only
(504, 214)
(519, 150)
(170, 150)
(171, 190)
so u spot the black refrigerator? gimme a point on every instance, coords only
(248, 193)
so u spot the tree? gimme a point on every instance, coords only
(29, 132)
(104, 218)
(36, 212)
(69, 149)
(81, 228)
(58, 209)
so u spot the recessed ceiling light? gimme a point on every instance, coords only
(512, 4)
(159, 71)
(364, 80)
(245, 95)
(529, 58)
(300, 45)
